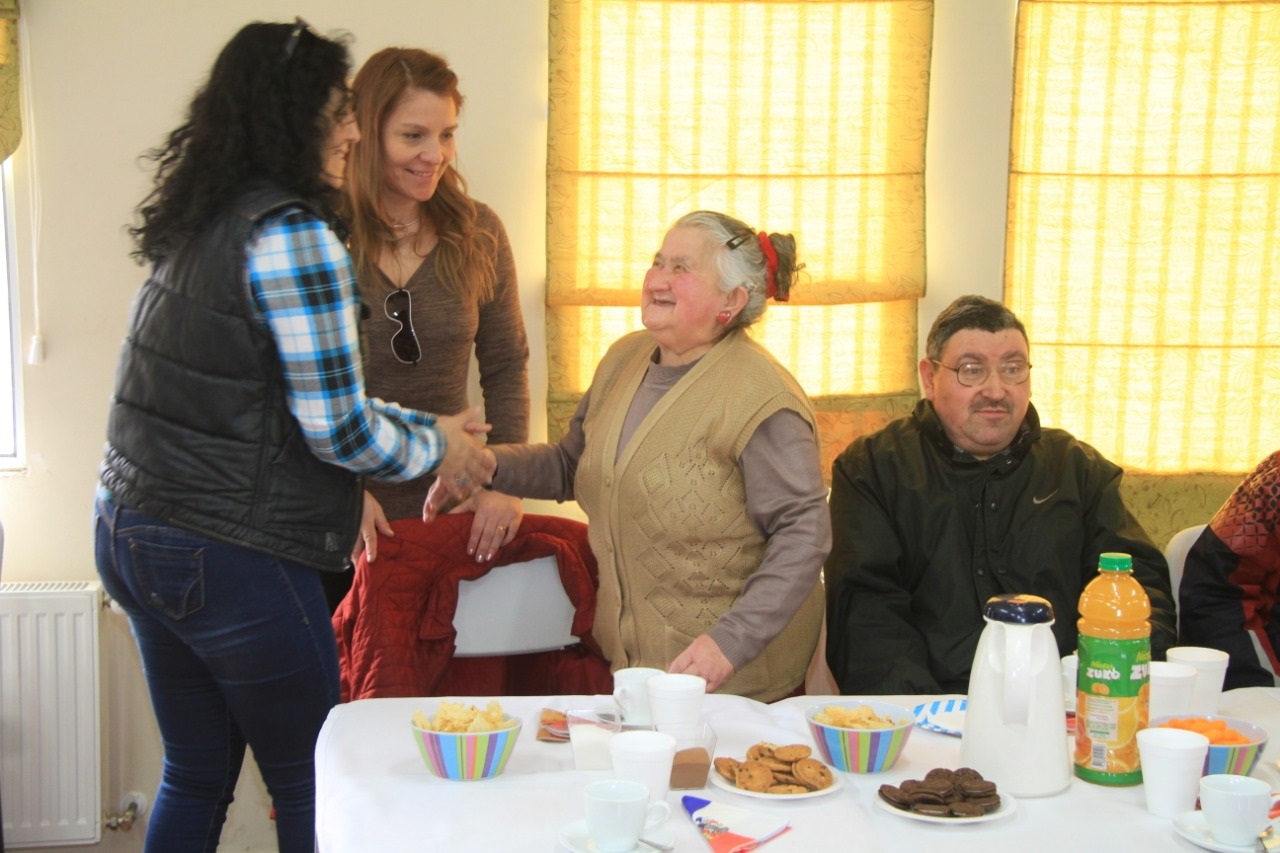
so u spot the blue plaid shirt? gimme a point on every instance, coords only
(302, 282)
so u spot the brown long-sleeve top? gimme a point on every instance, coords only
(447, 327)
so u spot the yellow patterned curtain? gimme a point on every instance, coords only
(794, 116)
(10, 115)
(1144, 226)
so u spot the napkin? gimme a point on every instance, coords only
(731, 829)
(552, 726)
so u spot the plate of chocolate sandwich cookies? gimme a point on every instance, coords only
(947, 796)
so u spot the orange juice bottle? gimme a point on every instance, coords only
(1112, 682)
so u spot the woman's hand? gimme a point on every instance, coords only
(446, 495)
(372, 522)
(466, 464)
(498, 517)
(703, 657)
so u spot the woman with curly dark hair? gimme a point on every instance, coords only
(430, 255)
(239, 431)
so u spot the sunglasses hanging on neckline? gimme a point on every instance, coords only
(398, 306)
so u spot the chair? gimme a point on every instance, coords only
(425, 619)
(1176, 555)
(515, 609)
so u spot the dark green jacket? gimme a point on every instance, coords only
(924, 534)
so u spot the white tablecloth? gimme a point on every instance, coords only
(374, 793)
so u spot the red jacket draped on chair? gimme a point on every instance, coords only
(395, 627)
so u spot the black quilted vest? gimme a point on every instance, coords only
(199, 433)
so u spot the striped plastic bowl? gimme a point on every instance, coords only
(1239, 759)
(861, 750)
(467, 756)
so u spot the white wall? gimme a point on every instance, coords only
(110, 77)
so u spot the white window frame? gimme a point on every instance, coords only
(12, 436)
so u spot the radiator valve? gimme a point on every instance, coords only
(132, 807)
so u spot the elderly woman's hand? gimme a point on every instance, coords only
(704, 658)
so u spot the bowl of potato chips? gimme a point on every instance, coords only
(465, 743)
(860, 736)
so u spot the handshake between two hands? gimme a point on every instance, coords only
(467, 463)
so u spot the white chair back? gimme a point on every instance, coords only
(514, 609)
(1176, 555)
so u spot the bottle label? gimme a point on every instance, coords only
(1111, 706)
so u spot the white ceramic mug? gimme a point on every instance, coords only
(618, 811)
(676, 698)
(630, 694)
(1235, 808)
(645, 757)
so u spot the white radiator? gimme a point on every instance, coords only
(51, 784)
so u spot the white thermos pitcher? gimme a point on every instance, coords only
(1015, 724)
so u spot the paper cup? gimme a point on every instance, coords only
(1172, 760)
(676, 699)
(1070, 666)
(1172, 686)
(1211, 669)
(645, 757)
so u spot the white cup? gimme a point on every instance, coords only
(1235, 808)
(645, 757)
(1172, 686)
(1070, 665)
(618, 811)
(630, 694)
(1211, 669)
(1172, 761)
(676, 698)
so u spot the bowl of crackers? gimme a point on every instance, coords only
(465, 743)
(860, 736)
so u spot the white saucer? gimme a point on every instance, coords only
(1192, 826)
(575, 839)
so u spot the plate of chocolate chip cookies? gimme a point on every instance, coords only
(774, 772)
(947, 796)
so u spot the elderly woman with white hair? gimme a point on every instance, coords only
(695, 456)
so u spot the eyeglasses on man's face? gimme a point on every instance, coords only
(974, 373)
(398, 306)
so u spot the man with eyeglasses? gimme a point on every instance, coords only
(965, 498)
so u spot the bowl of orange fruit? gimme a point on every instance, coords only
(1234, 744)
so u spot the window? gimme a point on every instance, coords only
(1144, 226)
(10, 134)
(9, 389)
(799, 117)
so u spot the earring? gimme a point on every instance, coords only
(724, 316)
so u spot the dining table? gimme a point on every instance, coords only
(375, 793)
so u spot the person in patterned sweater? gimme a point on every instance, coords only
(1228, 599)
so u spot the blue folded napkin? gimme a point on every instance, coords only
(732, 829)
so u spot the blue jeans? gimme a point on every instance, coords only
(237, 647)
